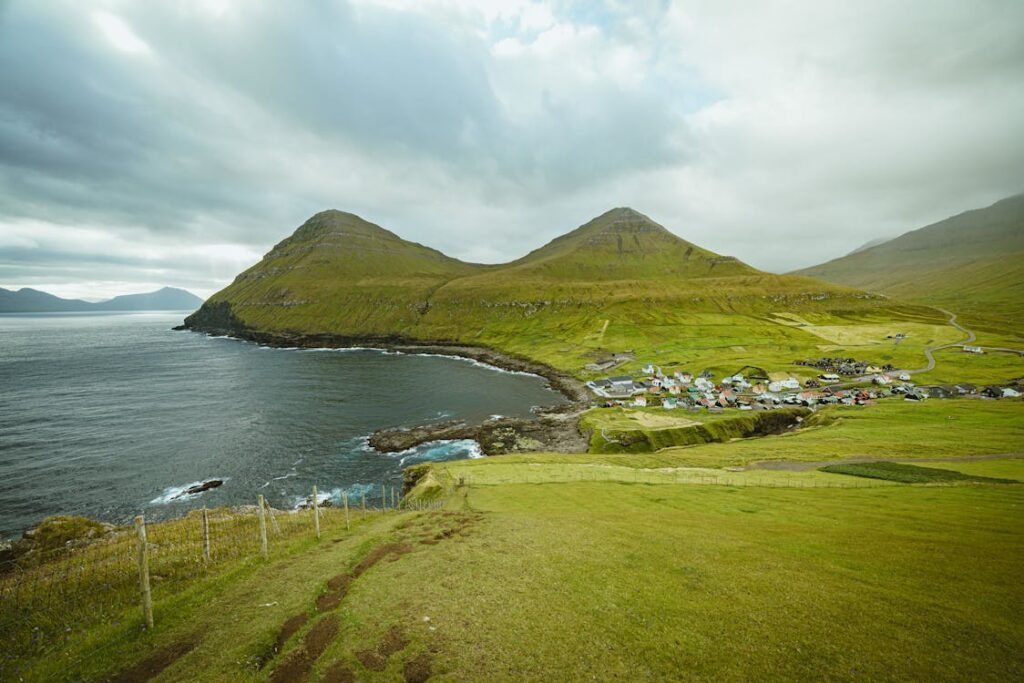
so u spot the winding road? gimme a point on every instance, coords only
(928, 352)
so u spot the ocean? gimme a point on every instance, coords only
(114, 415)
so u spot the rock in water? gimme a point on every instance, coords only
(201, 488)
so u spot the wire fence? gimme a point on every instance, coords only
(49, 598)
(496, 475)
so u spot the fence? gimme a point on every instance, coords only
(495, 474)
(50, 597)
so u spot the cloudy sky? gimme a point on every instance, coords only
(155, 143)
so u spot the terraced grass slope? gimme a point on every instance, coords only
(971, 263)
(620, 282)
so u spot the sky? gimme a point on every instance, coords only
(154, 143)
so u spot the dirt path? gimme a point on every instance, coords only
(791, 466)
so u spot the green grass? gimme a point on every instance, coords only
(579, 298)
(616, 430)
(970, 263)
(910, 474)
(618, 567)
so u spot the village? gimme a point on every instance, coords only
(840, 382)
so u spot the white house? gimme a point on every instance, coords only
(1010, 392)
(640, 402)
(904, 376)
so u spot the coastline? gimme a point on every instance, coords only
(572, 389)
(552, 429)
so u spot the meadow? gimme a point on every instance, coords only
(609, 580)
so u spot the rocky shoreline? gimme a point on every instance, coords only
(554, 429)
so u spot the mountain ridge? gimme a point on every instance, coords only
(29, 300)
(339, 279)
(973, 261)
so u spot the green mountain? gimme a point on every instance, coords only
(971, 263)
(620, 282)
(27, 300)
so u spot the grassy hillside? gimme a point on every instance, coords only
(618, 283)
(828, 576)
(972, 263)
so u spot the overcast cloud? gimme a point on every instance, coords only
(154, 143)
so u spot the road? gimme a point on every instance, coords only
(929, 352)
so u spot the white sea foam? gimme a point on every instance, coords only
(439, 450)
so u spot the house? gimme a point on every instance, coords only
(904, 376)
(640, 402)
(882, 379)
(601, 387)
(675, 389)
(829, 377)
(684, 377)
(759, 389)
(669, 403)
(1010, 392)
(622, 384)
(972, 349)
(704, 384)
(791, 383)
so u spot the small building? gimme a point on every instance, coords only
(640, 402)
(829, 377)
(972, 349)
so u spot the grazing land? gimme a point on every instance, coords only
(872, 580)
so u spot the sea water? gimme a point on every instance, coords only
(113, 415)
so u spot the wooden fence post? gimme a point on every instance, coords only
(147, 596)
(273, 518)
(344, 500)
(206, 535)
(263, 526)
(364, 504)
(394, 502)
(316, 514)
(383, 499)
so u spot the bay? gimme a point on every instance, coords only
(113, 415)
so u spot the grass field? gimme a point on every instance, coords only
(613, 580)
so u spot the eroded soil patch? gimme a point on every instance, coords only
(419, 669)
(377, 659)
(289, 629)
(297, 666)
(153, 665)
(392, 550)
(338, 673)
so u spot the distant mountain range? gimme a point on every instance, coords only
(971, 263)
(27, 300)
